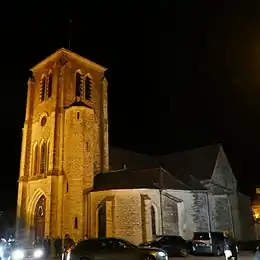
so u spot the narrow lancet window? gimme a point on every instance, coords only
(42, 89)
(153, 220)
(35, 160)
(43, 158)
(88, 87)
(78, 84)
(49, 85)
(76, 223)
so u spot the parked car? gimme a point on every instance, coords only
(113, 249)
(208, 243)
(21, 252)
(173, 245)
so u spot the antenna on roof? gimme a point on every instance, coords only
(70, 33)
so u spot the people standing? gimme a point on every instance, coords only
(37, 242)
(230, 244)
(58, 246)
(47, 246)
(67, 245)
(257, 253)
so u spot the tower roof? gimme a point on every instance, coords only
(71, 54)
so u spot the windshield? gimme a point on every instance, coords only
(201, 236)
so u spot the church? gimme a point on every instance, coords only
(72, 182)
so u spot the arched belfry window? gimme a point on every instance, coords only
(43, 158)
(88, 87)
(153, 221)
(78, 84)
(49, 85)
(42, 88)
(35, 160)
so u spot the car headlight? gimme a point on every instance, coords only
(18, 254)
(161, 253)
(38, 253)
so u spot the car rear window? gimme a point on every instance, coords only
(201, 236)
(91, 245)
(171, 239)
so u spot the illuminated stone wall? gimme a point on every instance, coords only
(128, 213)
(78, 166)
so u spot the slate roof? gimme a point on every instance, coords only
(179, 171)
(137, 179)
(197, 164)
(119, 158)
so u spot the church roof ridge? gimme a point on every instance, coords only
(69, 53)
(194, 149)
(198, 162)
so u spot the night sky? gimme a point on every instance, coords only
(180, 76)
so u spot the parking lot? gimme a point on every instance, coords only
(242, 256)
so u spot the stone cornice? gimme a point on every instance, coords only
(36, 177)
(23, 178)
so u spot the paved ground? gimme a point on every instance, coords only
(242, 256)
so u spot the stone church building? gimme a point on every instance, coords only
(71, 181)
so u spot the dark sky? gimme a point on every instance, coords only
(180, 76)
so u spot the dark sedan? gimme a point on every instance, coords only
(173, 245)
(113, 249)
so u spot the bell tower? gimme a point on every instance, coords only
(64, 143)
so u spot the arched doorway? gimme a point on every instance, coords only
(39, 217)
(102, 225)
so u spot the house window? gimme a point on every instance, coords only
(78, 115)
(88, 87)
(67, 187)
(153, 221)
(42, 89)
(78, 84)
(49, 85)
(43, 158)
(87, 146)
(76, 223)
